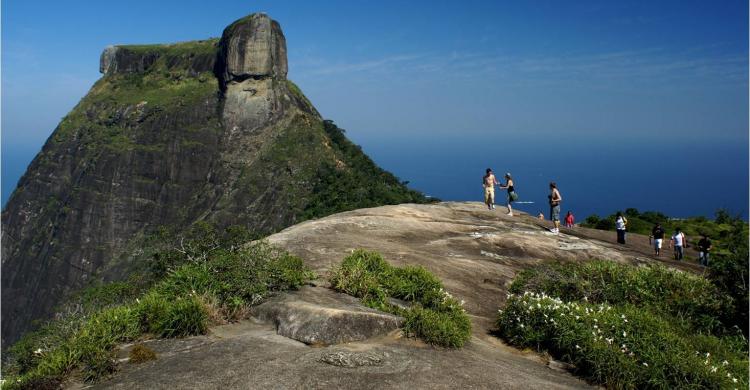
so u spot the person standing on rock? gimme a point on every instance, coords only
(657, 234)
(554, 206)
(512, 196)
(678, 241)
(704, 247)
(569, 220)
(488, 182)
(621, 224)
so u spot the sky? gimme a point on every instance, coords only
(503, 73)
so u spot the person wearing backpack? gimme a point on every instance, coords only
(678, 241)
(621, 224)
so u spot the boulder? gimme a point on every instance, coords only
(320, 316)
(253, 47)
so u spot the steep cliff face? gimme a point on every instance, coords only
(172, 134)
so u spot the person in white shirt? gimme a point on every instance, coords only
(620, 225)
(678, 241)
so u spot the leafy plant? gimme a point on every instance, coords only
(434, 315)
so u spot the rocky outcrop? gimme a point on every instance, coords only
(171, 134)
(475, 252)
(130, 59)
(253, 47)
(319, 316)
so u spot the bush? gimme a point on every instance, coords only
(691, 300)
(216, 271)
(141, 353)
(435, 316)
(169, 316)
(621, 346)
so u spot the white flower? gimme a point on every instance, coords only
(631, 354)
(724, 363)
(734, 380)
(596, 327)
(624, 347)
(38, 351)
(522, 326)
(624, 334)
(713, 368)
(578, 317)
(645, 364)
(578, 346)
(609, 341)
(708, 354)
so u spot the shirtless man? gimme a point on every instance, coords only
(488, 182)
(554, 206)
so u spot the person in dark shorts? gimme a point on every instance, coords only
(554, 206)
(678, 241)
(621, 226)
(512, 196)
(704, 248)
(657, 237)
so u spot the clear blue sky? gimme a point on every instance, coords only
(397, 71)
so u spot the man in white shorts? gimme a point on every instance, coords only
(657, 234)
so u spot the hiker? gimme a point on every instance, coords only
(657, 234)
(704, 247)
(488, 182)
(554, 206)
(621, 225)
(512, 196)
(569, 220)
(541, 216)
(678, 241)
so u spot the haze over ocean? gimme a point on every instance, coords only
(637, 104)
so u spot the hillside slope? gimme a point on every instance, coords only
(172, 134)
(474, 251)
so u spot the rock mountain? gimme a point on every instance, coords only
(316, 338)
(172, 134)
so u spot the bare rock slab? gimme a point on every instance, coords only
(320, 316)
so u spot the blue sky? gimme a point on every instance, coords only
(392, 71)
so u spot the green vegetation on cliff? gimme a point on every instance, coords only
(627, 327)
(354, 181)
(198, 278)
(433, 314)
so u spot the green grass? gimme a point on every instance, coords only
(627, 327)
(210, 275)
(434, 315)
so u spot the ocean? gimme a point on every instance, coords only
(685, 180)
(680, 180)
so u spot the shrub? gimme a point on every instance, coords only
(141, 353)
(216, 272)
(435, 316)
(621, 346)
(167, 316)
(691, 299)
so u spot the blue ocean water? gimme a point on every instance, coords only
(679, 180)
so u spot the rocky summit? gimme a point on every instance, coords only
(317, 338)
(171, 134)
